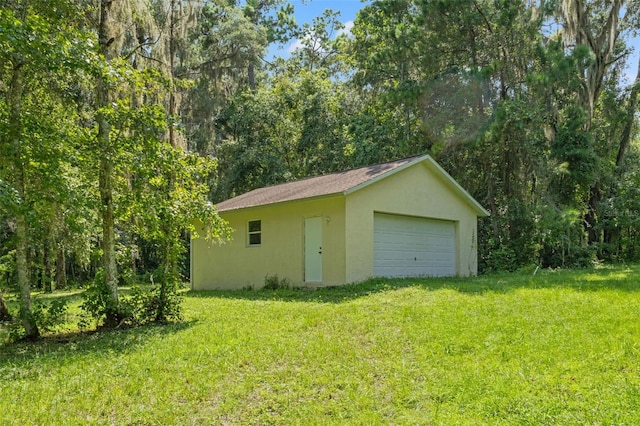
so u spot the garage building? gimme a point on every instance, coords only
(405, 218)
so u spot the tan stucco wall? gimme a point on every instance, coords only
(234, 265)
(415, 191)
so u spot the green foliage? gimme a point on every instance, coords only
(153, 305)
(273, 282)
(51, 314)
(498, 256)
(561, 238)
(572, 151)
(7, 270)
(275, 17)
(43, 56)
(98, 304)
(320, 45)
(48, 316)
(620, 216)
(160, 303)
(292, 129)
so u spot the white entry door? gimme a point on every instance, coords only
(411, 247)
(313, 249)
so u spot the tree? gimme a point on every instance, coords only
(108, 32)
(221, 49)
(595, 26)
(40, 52)
(321, 43)
(388, 49)
(522, 116)
(140, 149)
(278, 26)
(296, 123)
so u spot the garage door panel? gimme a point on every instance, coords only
(408, 246)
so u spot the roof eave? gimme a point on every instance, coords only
(278, 203)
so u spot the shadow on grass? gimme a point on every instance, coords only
(620, 278)
(16, 359)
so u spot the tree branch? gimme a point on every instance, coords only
(140, 46)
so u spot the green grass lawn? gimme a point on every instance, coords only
(555, 348)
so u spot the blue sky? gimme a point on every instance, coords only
(306, 10)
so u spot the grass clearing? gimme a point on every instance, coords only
(560, 347)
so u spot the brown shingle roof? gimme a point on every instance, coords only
(334, 183)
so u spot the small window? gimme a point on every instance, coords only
(255, 232)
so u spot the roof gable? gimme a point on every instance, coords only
(340, 183)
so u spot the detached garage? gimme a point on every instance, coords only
(405, 218)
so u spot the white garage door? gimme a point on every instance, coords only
(406, 246)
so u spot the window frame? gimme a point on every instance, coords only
(251, 233)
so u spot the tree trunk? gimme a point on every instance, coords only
(252, 76)
(591, 218)
(47, 279)
(172, 88)
(611, 235)
(108, 236)
(578, 28)
(167, 225)
(26, 315)
(22, 264)
(61, 269)
(36, 270)
(106, 36)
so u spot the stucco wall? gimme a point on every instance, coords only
(235, 265)
(415, 191)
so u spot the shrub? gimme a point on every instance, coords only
(46, 315)
(157, 304)
(161, 303)
(273, 282)
(499, 257)
(49, 315)
(98, 304)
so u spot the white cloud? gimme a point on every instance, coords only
(297, 43)
(347, 28)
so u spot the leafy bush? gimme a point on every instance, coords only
(98, 304)
(8, 269)
(47, 317)
(153, 305)
(499, 257)
(273, 282)
(161, 303)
